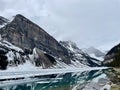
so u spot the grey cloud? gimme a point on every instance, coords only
(2, 5)
(86, 22)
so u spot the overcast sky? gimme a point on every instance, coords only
(86, 22)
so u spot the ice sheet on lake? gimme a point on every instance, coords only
(36, 72)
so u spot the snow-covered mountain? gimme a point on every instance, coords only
(95, 53)
(78, 55)
(23, 43)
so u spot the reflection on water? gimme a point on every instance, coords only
(88, 80)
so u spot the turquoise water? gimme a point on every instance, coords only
(65, 81)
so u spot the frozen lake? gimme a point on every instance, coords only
(67, 79)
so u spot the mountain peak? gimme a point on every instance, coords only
(69, 44)
(95, 53)
(93, 50)
(19, 16)
(91, 47)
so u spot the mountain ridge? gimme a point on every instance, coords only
(79, 55)
(23, 41)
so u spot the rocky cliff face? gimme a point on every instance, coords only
(27, 35)
(112, 58)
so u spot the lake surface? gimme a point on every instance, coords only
(87, 80)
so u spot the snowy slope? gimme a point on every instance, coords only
(77, 55)
(17, 59)
(95, 53)
(101, 58)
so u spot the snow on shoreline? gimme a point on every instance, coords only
(31, 73)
